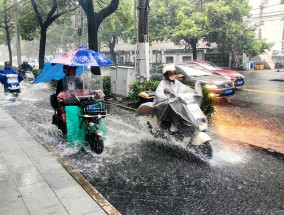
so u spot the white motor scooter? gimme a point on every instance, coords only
(191, 124)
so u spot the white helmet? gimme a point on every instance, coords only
(168, 68)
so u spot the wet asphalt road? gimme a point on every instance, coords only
(142, 175)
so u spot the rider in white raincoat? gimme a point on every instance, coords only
(170, 103)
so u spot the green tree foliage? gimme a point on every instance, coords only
(6, 25)
(38, 16)
(117, 25)
(179, 20)
(162, 19)
(227, 28)
(216, 21)
(60, 37)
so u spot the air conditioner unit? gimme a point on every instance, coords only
(264, 1)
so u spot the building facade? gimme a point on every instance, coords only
(267, 16)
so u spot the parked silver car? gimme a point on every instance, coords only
(218, 86)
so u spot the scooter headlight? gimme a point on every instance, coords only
(200, 121)
(211, 86)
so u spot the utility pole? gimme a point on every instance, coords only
(143, 40)
(17, 35)
(81, 34)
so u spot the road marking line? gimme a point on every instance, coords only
(263, 91)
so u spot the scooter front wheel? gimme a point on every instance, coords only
(96, 143)
(203, 151)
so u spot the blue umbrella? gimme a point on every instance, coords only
(82, 57)
(53, 71)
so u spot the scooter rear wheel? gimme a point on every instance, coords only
(96, 143)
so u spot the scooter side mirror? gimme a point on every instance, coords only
(181, 76)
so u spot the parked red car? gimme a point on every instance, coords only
(236, 77)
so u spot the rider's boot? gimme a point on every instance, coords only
(173, 128)
(153, 121)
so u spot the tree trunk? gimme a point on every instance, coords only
(94, 21)
(9, 45)
(93, 42)
(8, 39)
(111, 46)
(193, 42)
(93, 35)
(42, 46)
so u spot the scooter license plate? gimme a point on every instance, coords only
(240, 82)
(228, 91)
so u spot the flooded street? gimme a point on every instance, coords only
(139, 174)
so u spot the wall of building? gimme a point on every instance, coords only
(267, 15)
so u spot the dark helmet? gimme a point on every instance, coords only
(7, 63)
(66, 68)
(169, 70)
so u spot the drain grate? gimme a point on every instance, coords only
(280, 80)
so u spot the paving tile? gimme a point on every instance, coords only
(35, 151)
(46, 163)
(57, 210)
(9, 147)
(59, 178)
(27, 175)
(17, 160)
(84, 204)
(8, 189)
(38, 197)
(3, 164)
(15, 207)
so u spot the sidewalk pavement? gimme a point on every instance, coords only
(32, 180)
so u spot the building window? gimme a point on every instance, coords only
(127, 57)
(169, 59)
(158, 57)
(186, 58)
(259, 34)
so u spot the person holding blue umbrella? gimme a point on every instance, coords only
(70, 81)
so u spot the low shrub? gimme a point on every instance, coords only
(137, 87)
(207, 104)
(106, 85)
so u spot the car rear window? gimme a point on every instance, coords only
(194, 72)
(211, 66)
